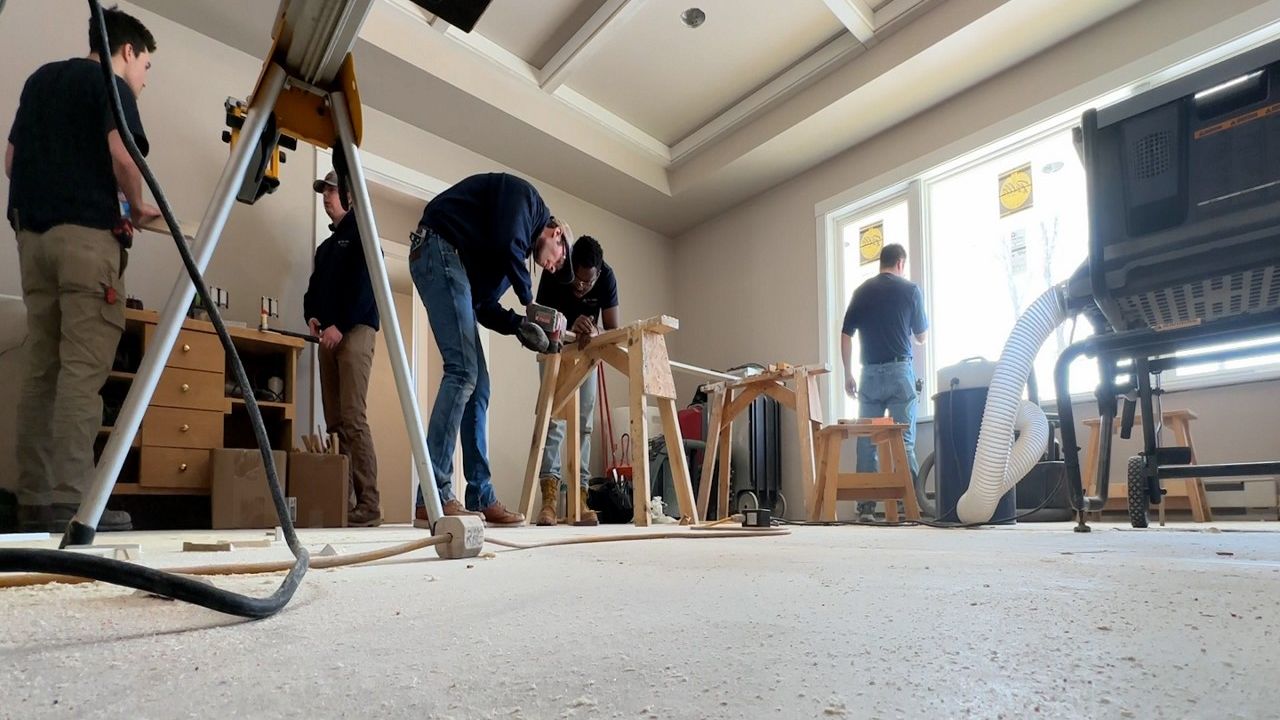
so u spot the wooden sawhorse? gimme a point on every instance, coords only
(639, 352)
(891, 484)
(726, 400)
(1178, 422)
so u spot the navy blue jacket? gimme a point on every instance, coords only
(340, 292)
(494, 221)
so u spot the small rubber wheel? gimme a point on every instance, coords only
(746, 500)
(780, 507)
(1139, 502)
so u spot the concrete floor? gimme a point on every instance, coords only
(827, 622)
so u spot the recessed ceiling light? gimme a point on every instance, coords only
(693, 17)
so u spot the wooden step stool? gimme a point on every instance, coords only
(891, 484)
(1189, 493)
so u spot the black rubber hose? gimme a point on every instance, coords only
(137, 576)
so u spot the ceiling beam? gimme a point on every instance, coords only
(856, 15)
(893, 11)
(557, 69)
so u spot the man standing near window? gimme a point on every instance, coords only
(588, 298)
(887, 312)
(69, 169)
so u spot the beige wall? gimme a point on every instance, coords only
(387, 424)
(267, 247)
(748, 284)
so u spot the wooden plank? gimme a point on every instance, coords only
(572, 448)
(893, 493)
(614, 356)
(658, 381)
(715, 408)
(639, 430)
(660, 324)
(726, 463)
(815, 399)
(541, 421)
(805, 433)
(571, 380)
(832, 445)
(857, 480)
(780, 374)
(679, 462)
(902, 468)
(740, 403)
(782, 394)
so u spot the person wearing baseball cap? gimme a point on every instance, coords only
(342, 314)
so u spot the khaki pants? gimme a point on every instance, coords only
(72, 333)
(344, 383)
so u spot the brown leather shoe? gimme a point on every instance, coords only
(453, 507)
(496, 514)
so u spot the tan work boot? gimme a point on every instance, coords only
(496, 514)
(586, 515)
(550, 499)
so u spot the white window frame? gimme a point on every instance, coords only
(914, 191)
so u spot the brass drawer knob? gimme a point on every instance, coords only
(185, 427)
(182, 467)
(186, 387)
(186, 348)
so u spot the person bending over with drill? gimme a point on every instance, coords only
(473, 243)
(68, 169)
(587, 295)
(887, 314)
(342, 313)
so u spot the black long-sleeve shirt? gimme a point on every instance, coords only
(494, 221)
(340, 292)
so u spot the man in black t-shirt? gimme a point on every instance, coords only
(587, 295)
(68, 170)
(887, 314)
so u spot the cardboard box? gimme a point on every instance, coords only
(239, 496)
(322, 485)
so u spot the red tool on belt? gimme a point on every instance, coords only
(617, 466)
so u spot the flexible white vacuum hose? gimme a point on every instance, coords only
(1000, 462)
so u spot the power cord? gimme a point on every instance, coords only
(140, 577)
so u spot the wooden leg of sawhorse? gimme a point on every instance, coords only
(1196, 495)
(831, 447)
(571, 468)
(726, 461)
(679, 462)
(639, 433)
(541, 421)
(716, 406)
(903, 469)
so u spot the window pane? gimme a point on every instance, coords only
(996, 243)
(1228, 365)
(892, 220)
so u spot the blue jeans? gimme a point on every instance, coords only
(891, 387)
(463, 400)
(555, 435)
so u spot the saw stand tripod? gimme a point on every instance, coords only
(638, 351)
(323, 117)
